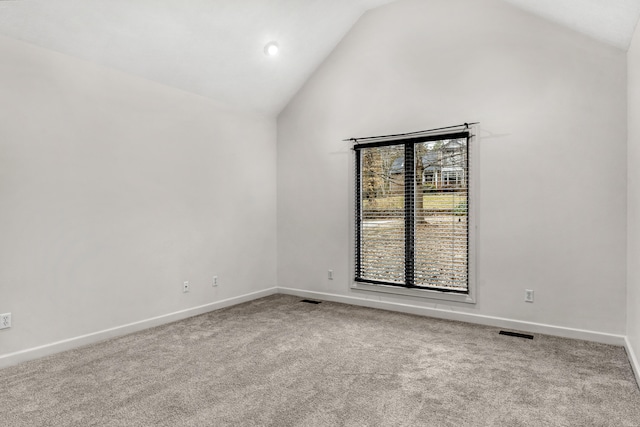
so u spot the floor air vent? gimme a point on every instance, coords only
(308, 301)
(516, 334)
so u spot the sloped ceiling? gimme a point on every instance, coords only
(214, 48)
(611, 21)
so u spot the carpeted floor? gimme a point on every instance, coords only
(280, 362)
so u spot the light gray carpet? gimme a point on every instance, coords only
(280, 362)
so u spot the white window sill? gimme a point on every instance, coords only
(420, 293)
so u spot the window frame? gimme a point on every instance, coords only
(429, 293)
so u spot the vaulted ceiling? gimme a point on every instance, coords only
(214, 48)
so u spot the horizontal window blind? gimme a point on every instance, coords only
(382, 214)
(412, 207)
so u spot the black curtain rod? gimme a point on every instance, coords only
(355, 140)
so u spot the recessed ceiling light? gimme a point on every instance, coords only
(271, 49)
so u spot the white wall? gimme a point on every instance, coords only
(633, 194)
(552, 199)
(114, 190)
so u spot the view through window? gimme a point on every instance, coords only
(412, 212)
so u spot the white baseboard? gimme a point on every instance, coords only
(497, 322)
(633, 359)
(71, 343)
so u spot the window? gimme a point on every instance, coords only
(412, 222)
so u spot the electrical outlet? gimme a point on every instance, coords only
(5, 320)
(214, 283)
(528, 295)
(330, 275)
(185, 287)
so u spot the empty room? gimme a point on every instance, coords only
(319, 213)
